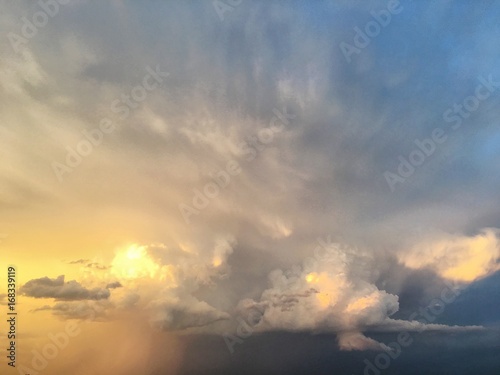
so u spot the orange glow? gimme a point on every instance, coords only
(217, 262)
(328, 287)
(312, 277)
(324, 299)
(478, 262)
(457, 258)
(134, 263)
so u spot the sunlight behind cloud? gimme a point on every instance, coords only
(134, 263)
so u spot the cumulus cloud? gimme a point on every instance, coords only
(177, 276)
(58, 289)
(333, 294)
(326, 295)
(153, 278)
(457, 257)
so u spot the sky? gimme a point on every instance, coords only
(251, 187)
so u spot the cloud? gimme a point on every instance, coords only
(128, 301)
(84, 310)
(114, 285)
(334, 294)
(358, 341)
(165, 280)
(97, 266)
(89, 264)
(222, 249)
(327, 295)
(79, 261)
(135, 262)
(393, 325)
(322, 174)
(176, 314)
(152, 278)
(457, 257)
(60, 290)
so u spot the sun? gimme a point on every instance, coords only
(134, 262)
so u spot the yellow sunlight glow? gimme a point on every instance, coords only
(217, 261)
(312, 277)
(134, 263)
(327, 286)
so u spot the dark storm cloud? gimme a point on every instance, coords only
(301, 354)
